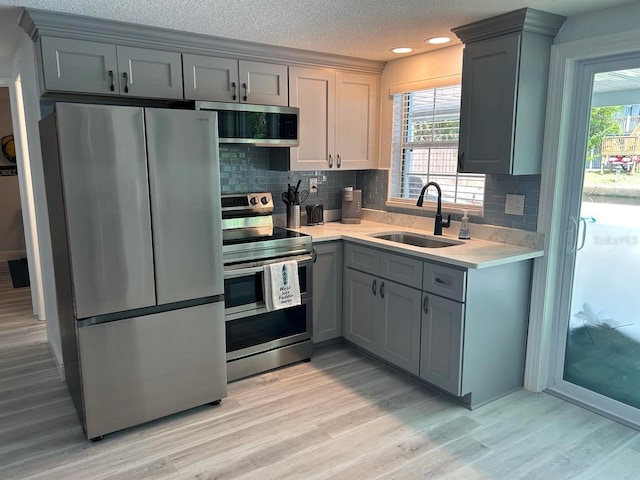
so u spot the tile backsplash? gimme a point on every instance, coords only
(246, 169)
(374, 186)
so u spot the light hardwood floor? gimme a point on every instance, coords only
(341, 416)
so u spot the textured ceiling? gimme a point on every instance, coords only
(357, 28)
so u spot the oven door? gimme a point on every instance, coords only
(244, 288)
(250, 328)
(269, 330)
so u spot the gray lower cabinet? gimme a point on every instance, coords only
(462, 330)
(360, 310)
(399, 325)
(380, 315)
(474, 329)
(441, 342)
(327, 291)
(70, 65)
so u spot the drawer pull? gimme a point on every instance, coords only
(444, 281)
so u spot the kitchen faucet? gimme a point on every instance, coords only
(437, 227)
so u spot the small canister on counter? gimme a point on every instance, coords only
(293, 216)
(315, 214)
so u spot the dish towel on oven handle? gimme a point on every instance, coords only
(281, 285)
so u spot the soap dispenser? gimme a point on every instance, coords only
(464, 227)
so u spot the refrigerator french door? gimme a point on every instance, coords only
(134, 208)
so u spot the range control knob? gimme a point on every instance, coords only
(264, 200)
(253, 200)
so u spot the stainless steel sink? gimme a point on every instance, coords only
(416, 239)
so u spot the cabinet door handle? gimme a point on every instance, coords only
(425, 304)
(126, 82)
(111, 87)
(374, 286)
(233, 90)
(460, 163)
(315, 254)
(246, 92)
(382, 290)
(330, 161)
(444, 281)
(338, 161)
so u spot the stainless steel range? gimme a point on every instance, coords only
(259, 340)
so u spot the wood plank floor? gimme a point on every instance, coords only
(341, 416)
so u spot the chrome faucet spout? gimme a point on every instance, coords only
(439, 224)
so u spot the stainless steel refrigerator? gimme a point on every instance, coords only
(134, 209)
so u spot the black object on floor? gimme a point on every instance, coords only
(19, 272)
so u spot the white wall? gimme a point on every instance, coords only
(604, 22)
(35, 216)
(440, 63)
(12, 244)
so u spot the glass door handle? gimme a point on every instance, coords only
(583, 236)
(572, 233)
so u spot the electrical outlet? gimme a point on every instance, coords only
(514, 204)
(313, 182)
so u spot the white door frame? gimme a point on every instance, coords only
(561, 113)
(26, 200)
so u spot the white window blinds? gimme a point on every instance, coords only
(425, 148)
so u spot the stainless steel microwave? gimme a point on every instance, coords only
(260, 125)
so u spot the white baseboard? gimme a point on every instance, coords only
(57, 357)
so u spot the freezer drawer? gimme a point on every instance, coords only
(142, 368)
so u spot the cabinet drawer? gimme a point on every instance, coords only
(445, 281)
(362, 258)
(405, 270)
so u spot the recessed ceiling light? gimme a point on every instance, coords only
(438, 40)
(402, 50)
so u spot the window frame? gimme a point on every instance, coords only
(396, 175)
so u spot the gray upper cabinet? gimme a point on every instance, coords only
(149, 73)
(218, 79)
(505, 71)
(78, 66)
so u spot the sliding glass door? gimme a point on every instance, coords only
(598, 349)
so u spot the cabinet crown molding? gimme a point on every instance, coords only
(38, 23)
(523, 20)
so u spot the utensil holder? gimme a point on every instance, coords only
(293, 216)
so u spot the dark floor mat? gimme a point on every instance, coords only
(19, 272)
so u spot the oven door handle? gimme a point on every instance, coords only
(241, 272)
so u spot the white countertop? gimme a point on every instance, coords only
(472, 254)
